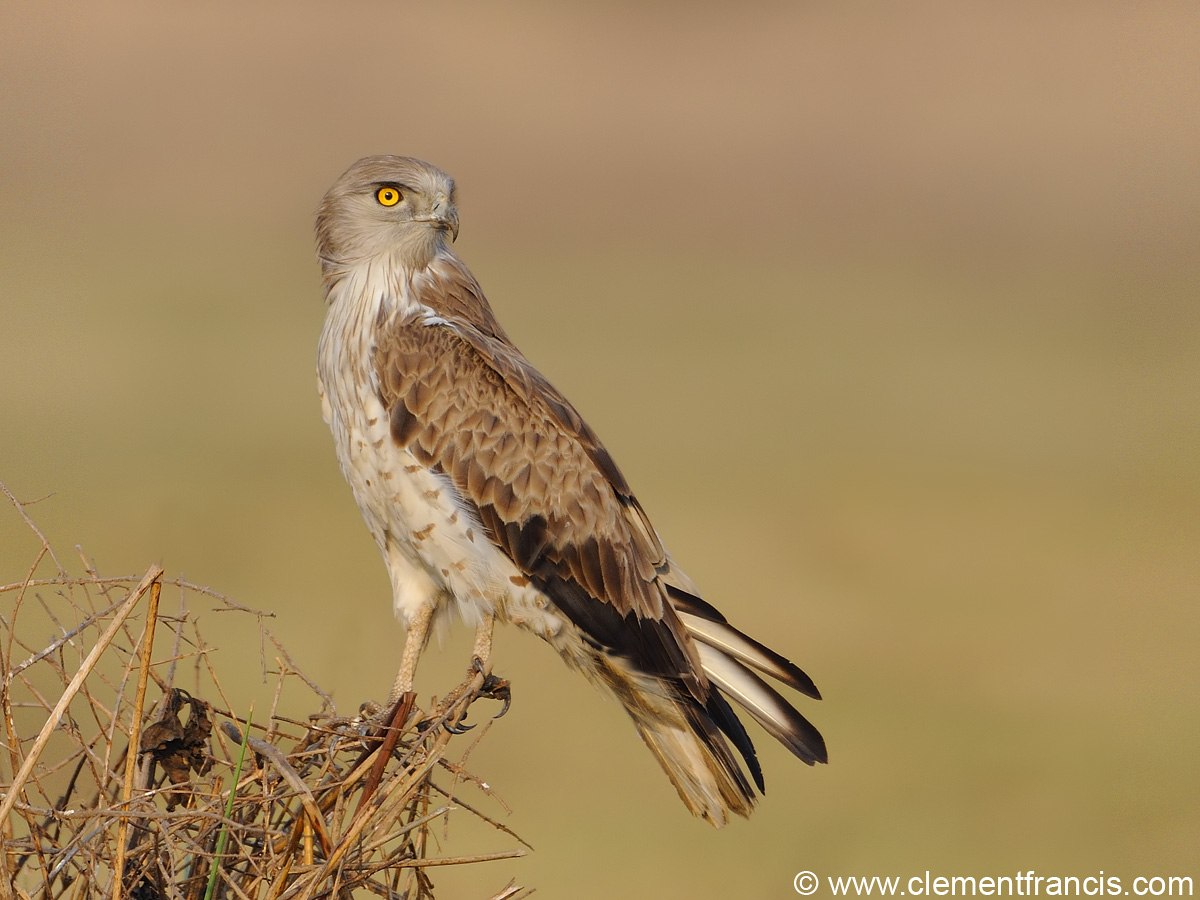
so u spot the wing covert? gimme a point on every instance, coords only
(469, 404)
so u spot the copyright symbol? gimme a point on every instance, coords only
(806, 883)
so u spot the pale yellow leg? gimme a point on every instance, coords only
(491, 686)
(414, 643)
(483, 643)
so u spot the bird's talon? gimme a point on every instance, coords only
(496, 688)
(460, 727)
(504, 709)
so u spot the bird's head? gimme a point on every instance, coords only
(392, 205)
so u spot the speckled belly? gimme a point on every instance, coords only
(436, 551)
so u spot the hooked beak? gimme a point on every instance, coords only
(444, 216)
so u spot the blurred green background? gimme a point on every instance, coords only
(889, 315)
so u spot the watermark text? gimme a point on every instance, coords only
(1029, 883)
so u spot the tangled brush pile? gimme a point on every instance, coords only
(212, 804)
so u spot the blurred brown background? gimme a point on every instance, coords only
(889, 316)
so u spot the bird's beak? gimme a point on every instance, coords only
(445, 216)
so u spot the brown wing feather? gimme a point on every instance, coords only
(449, 287)
(469, 404)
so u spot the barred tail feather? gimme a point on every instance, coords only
(764, 703)
(727, 657)
(718, 633)
(694, 736)
(709, 786)
(686, 739)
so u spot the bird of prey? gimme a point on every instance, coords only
(488, 495)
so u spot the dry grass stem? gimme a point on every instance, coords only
(135, 733)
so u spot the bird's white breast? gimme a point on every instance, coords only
(434, 548)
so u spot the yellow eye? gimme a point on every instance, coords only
(387, 196)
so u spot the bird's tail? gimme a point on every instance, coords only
(730, 660)
(685, 738)
(691, 739)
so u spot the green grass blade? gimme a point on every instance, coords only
(223, 834)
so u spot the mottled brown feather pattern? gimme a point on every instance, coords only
(470, 405)
(448, 286)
